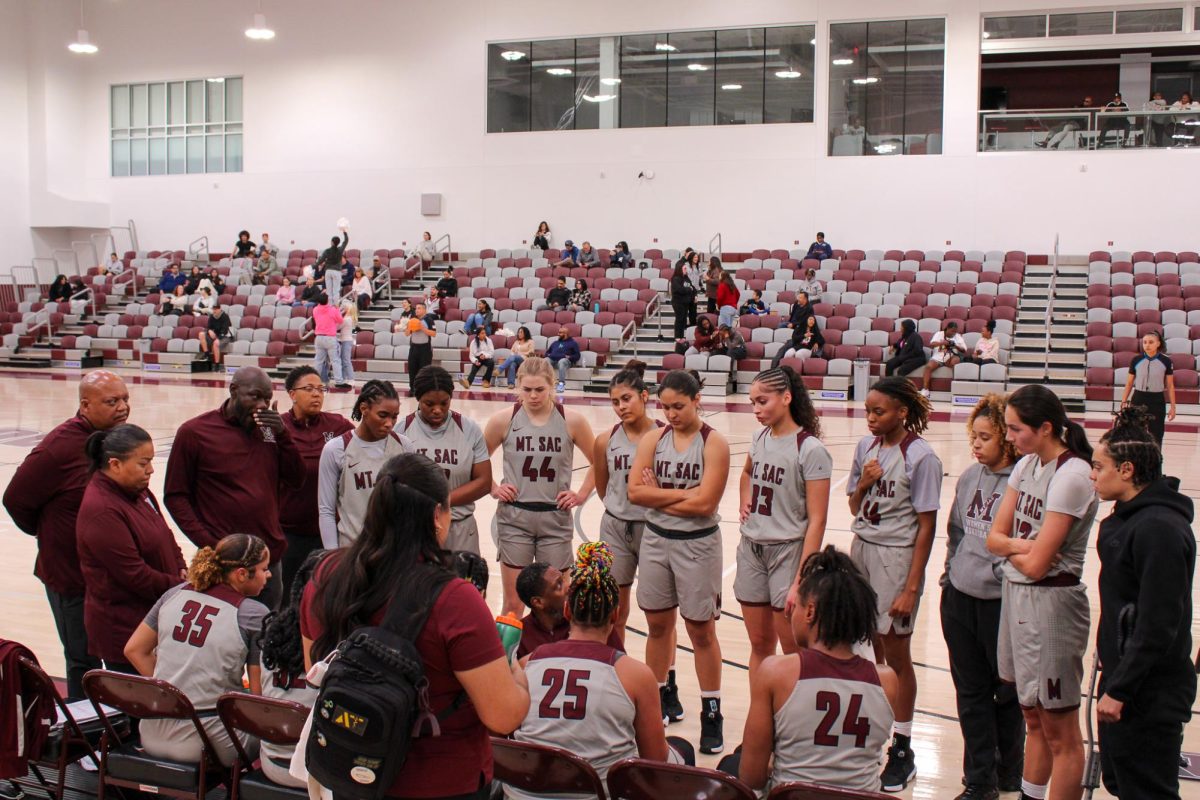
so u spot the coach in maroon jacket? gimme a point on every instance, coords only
(43, 499)
(225, 470)
(311, 428)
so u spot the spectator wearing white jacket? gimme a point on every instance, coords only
(483, 356)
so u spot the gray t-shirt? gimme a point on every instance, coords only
(456, 447)
(1063, 486)
(970, 568)
(1150, 374)
(676, 470)
(781, 467)
(911, 484)
(345, 479)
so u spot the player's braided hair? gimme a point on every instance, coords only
(372, 392)
(843, 600)
(593, 596)
(785, 379)
(472, 568)
(905, 392)
(432, 379)
(1130, 441)
(632, 375)
(991, 407)
(210, 565)
(282, 648)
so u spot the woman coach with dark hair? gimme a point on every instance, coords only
(126, 551)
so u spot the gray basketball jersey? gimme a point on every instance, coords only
(538, 459)
(833, 726)
(1040, 493)
(888, 514)
(620, 455)
(577, 702)
(456, 447)
(360, 464)
(676, 470)
(969, 566)
(1150, 374)
(780, 466)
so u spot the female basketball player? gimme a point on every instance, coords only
(455, 443)
(1041, 530)
(538, 437)
(1147, 557)
(894, 487)
(200, 637)
(1152, 381)
(609, 708)
(823, 712)
(679, 477)
(350, 463)
(988, 712)
(784, 505)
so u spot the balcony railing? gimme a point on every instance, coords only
(1087, 129)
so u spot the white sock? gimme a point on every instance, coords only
(902, 728)
(707, 695)
(661, 685)
(1033, 790)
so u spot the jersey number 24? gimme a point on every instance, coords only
(853, 725)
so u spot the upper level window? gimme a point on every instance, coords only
(1084, 23)
(176, 127)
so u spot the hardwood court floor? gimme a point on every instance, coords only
(30, 405)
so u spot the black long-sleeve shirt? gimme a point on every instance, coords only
(910, 347)
(332, 257)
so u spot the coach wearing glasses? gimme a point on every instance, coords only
(311, 428)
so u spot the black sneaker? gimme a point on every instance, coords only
(10, 791)
(901, 767)
(976, 792)
(712, 726)
(662, 703)
(672, 708)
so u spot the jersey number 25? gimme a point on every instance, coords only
(573, 708)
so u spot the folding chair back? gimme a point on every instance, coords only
(812, 791)
(279, 722)
(541, 770)
(638, 779)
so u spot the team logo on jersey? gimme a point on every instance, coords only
(329, 435)
(544, 444)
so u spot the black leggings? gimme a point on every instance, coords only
(1156, 404)
(419, 355)
(683, 317)
(896, 365)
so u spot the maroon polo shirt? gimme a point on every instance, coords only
(129, 559)
(223, 479)
(534, 635)
(43, 499)
(298, 507)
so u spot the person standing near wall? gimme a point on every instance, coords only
(1152, 381)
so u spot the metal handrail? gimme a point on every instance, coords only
(714, 246)
(193, 251)
(131, 230)
(437, 250)
(88, 250)
(72, 253)
(104, 238)
(91, 298)
(1050, 309)
(16, 271)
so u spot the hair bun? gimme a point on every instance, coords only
(596, 555)
(1135, 417)
(637, 366)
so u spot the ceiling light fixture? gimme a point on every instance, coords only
(697, 68)
(664, 47)
(599, 98)
(215, 80)
(82, 43)
(884, 149)
(731, 87)
(559, 71)
(865, 81)
(260, 32)
(812, 41)
(843, 62)
(987, 34)
(512, 55)
(610, 81)
(787, 73)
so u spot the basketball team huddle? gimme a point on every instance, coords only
(395, 489)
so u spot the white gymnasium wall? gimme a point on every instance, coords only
(16, 245)
(359, 107)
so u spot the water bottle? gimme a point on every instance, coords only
(509, 628)
(596, 308)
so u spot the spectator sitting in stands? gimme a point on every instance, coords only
(216, 282)
(801, 311)
(267, 264)
(730, 342)
(704, 339)
(448, 284)
(114, 265)
(216, 332)
(482, 355)
(1158, 125)
(728, 295)
(376, 267)
(558, 298)
(174, 303)
(908, 350)
(949, 348)
(1059, 133)
(570, 255)
(481, 319)
(542, 238)
(806, 342)
(243, 247)
(563, 353)
(425, 249)
(520, 350)
(309, 294)
(588, 256)
(406, 309)
(439, 305)
(347, 275)
(205, 303)
(621, 257)
(811, 286)
(170, 279)
(363, 292)
(286, 294)
(987, 349)
(193, 280)
(267, 247)
(820, 249)
(1182, 128)
(60, 289)
(581, 298)
(1109, 119)
(755, 304)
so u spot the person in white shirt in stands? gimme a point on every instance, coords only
(363, 292)
(1156, 127)
(987, 349)
(949, 348)
(425, 249)
(482, 354)
(1184, 128)
(114, 265)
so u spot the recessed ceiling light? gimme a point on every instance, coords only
(697, 68)
(215, 80)
(512, 55)
(599, 98)
(664, 47)
(610, 81)
(865, 81)
(731, 87)
(884, 149)
(260, 31)
(787, 73)
(560, 71)
(843, 62)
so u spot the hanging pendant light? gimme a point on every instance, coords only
(82, 43)
(260, 32)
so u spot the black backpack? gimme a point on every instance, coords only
(373, 701)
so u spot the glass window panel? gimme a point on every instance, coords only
(885, 76)
(195, 154)
(140, 105)
(176, 156)
(233, 99)
(552, 85)
(691, 79)
(644, 81)
(177, 103)
(233, 153)
(195, 101)
(739, 76)
(214, 111)
(215, 147)
(1153, 20)
(158, 156)
(1023, 27)
(1091, 23)
(788, 96)
(847, 89)
(233, 127)
(588, 85)
(1196, 20)
(924, 82)
(158, 104)
(120, 106)
(508, 87)
(120, 158)
(138, 157)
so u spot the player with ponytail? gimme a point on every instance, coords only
(587, 697)
(1041, 531)
(784, 505)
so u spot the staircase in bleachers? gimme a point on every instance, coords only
(1049, 343)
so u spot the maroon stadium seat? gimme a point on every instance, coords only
(639, 779)
(276, 721)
